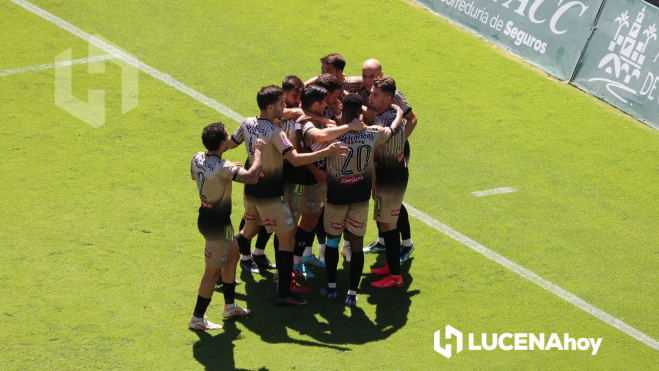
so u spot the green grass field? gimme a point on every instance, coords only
(100, 256)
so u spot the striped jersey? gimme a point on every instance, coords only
(213, 176)
(390, 161)
(270, 182)
(349, 178)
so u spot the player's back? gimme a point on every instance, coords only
(213, 176)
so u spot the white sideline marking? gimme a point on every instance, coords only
(114, 51)
(523, 272)
(57, 65)
(496, 191)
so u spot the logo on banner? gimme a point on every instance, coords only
(512, 341)
(626, 56)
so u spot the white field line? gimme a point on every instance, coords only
(523, 272)
(56, 65)
(496, 191)
(116, 52)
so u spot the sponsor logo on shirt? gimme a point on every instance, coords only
(250, 217)
(337, 225)
(395, 212)
(208, 254)
(287, 143)
(355, 223)
(352, 180)
(269, 223)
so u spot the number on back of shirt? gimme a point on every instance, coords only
(363, 155)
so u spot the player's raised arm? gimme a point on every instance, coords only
(299, 159)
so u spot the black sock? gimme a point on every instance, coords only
(275, 244)
(310, 236)
(242, 224)
(392, 245)
(243, 245)
(200, 308)
(356, 268)
(262, 238)
(403, 224)
(300, 241)
(229, 292)
(320, 228)
(380, 234)
(285, 267)
(331, 263)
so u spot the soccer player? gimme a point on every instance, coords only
(214, 176)
(371, 70)
(348, 192)
(334, 106)
(265, 203)
(332, 64)
(309, 191)
(391, 175)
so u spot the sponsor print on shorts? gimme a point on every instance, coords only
(269, 223)
(377, 208)
(336, 225)
(228, 233)
(249, 217)
(395, 212)
(289, 221)
(208, 253)
(298, 190)
(262, 175)
(355, 223)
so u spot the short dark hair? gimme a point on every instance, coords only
(335, 60)
(312, 94)
(329, 82)
(386, 84)
(352, 105)
(292, 82)
(213, 135)
(268, 95)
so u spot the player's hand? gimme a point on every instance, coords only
(356, 124)
(398, 109)
(321, 176)
(338, 107)
(336, 149)
(259, 145)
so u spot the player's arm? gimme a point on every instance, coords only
(251, 176)
(292, 113)
(311, 81)
(322, 119)
(369, 114)
(398, 121)
(410, 123)
(320, 175)
(236, 138)
(338, 113)
(329, 134)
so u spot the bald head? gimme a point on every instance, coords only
(371, 70)
(372, 64)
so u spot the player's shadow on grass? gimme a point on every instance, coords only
(328, 322)
(216, 351)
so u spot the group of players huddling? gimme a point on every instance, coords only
(317, 153)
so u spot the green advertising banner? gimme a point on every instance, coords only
(621, 63)
(549, 34)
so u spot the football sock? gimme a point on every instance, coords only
(407, 243)
(356, 268)
(285, 267)
(403, 224)
(202, 305)
(243, 245)
(320, 228)
(258, 251)
(392, 245)
(332, 259)
(300, 241)
(262, 239)
(229, 290)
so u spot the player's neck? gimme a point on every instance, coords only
(267, 116)
(384, 108)
(217, 153)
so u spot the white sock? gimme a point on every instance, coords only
(331, 285)
(407, 243)
(246, 257)
(230, 306)
(346, 243)
(352, 292)
(322, 246)
(297, 259)
(258, 252)
(307, 251)
(381, 240)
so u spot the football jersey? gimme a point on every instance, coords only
(349, 178)
(301, 174)
(213, 176)
(390, 161)
(270, 183)
(289, 170)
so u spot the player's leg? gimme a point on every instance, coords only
(403, 225)
(388, 201)
(302, 235)
(321, 236)
(231, 309)
(253, 223)
(377, 246)
(335, 222)
(356, 223)
(258, 255)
